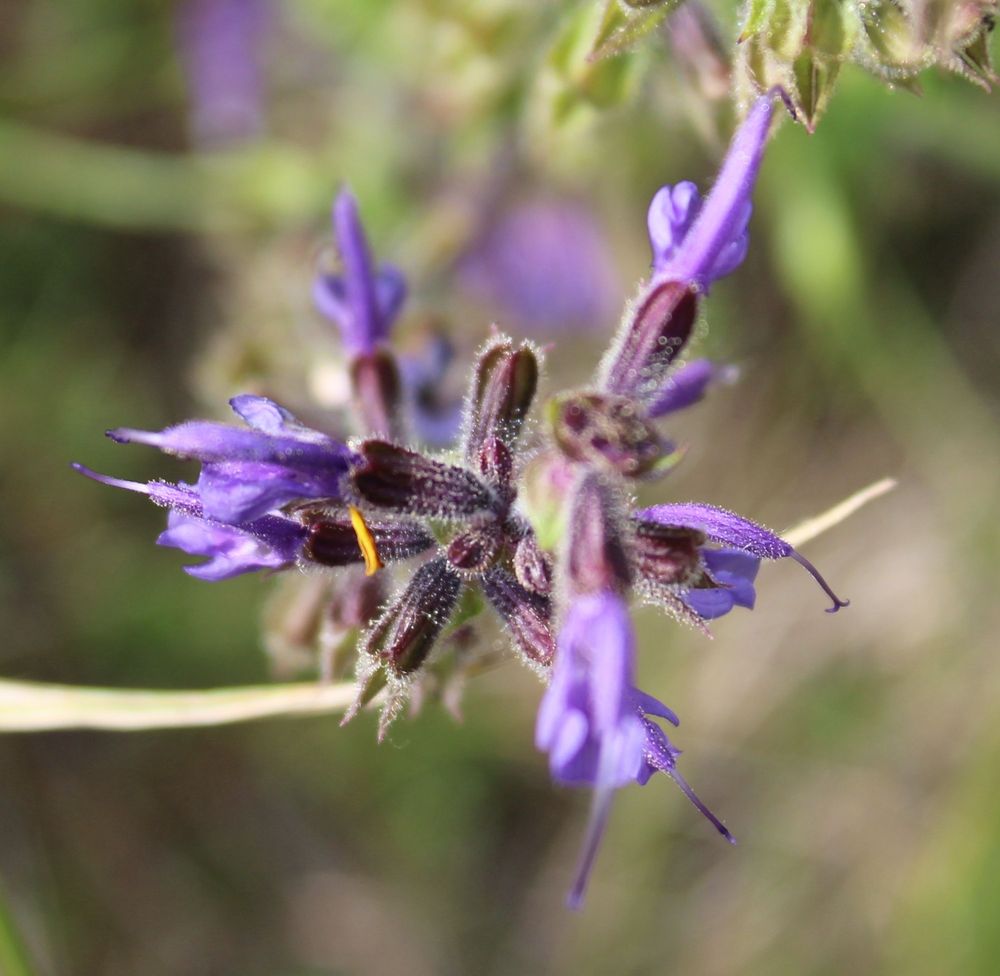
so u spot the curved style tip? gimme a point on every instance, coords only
(700, 806)
(838, 604)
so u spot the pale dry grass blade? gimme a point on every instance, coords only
(809, 529)
(27, 706)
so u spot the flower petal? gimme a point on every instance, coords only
(716, 241)
(729, 529)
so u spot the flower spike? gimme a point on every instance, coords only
(699, 241)
(363, 301)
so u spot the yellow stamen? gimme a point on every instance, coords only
(366, 542)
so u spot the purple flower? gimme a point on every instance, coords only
(545, 263)
(595, 724)
(586, 721)
(687, 385)
(363, 301)
(268, 542)
(699, 241)
(660, 756)
(733, 572)
(221, 46)
(736, 532)
(434, 418)
(249, 472)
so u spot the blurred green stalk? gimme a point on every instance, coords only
(14, 959)
(131, 189)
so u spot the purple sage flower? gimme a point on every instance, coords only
(249, 472)
(737, 532)
(363, 301)
(699, 241)
(544, 263)
(586, 722)
(595, 724)
(221, 46)
(267, 542)
(687, 385)
(732, 572)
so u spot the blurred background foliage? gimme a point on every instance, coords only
(153, 262)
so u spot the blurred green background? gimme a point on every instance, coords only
(147, 273)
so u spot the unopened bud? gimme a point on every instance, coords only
(496, 462)
(608, 432)
(596, 555)
(526, 614)
(477, 548)
(404, 635)
(650, 337)
(377, 392)
(400, 480)
(503, 386)
(532, 566)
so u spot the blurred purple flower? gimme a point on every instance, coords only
(688, 385)
(594, 723)
(435, 419)
(586, 721)
(362, 301)
(546, 264)
(699, 241)
(221, 46)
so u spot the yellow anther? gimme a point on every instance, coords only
(366, 542)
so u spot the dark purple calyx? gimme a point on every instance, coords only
(333, 540)
(606, 431)
(527, 615)
(496, 464)
(532, 566)
(667, 554)
(649, 340)
(377, 391)
(477, 548)
(399, 480)
(597, 559)
(503, 387)
(404, 635)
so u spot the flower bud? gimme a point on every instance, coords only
(652, 333)
(503, 386)
(377, 392)
(532, 566)
(596, 559)
(526, 614)
(608, 432)
(404, 635)
(476, 549)
(400, 480)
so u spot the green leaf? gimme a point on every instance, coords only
(623, 32)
